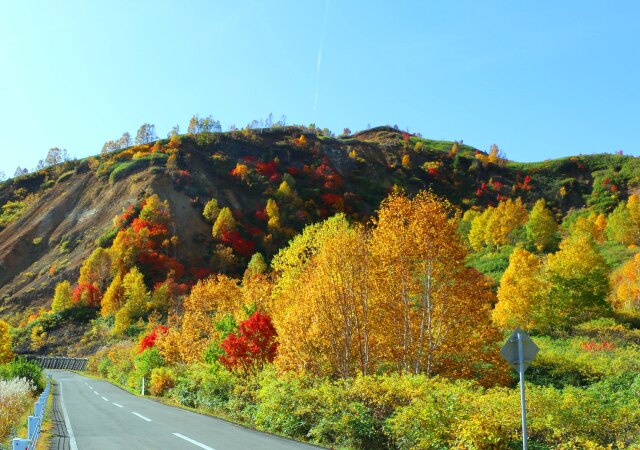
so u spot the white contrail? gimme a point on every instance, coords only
(319, 62)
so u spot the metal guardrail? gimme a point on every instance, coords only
(35, 423)
(60, 362)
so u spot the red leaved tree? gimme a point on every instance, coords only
(149, 341)
(253, 346)
(87, 294)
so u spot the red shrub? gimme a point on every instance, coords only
(253, 346)
(238, 243)
(267, 169)
(253, 231)
(157, 265)
(149, 341)
(155, 229)
(200, 273)
(87, 294)
(262, 214)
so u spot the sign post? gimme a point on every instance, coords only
(519, 351)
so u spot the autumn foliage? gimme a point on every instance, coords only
(149, 340)
(397, 296)
(252, 347)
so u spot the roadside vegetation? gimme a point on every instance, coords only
(20, 381)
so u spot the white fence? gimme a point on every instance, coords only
(35, 422)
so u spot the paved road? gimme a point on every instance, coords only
(101, 416)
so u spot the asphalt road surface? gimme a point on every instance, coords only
(100, 416)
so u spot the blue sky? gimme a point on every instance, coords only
(541, 79)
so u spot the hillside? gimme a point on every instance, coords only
(352, 291)
(53, 218)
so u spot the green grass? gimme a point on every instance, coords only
(122, 170)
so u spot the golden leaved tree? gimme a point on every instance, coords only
(504, 221)
(579, 285)
(113, 298)
(349, 301)
(336, 299)
(434, 310)
(541, 226)
(6, 349)
(62, 297)
(625, 286)
(209, 299)
(521, 290)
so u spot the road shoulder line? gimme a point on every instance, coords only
(72, 438)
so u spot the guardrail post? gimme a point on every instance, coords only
(20, 444)
(32, 424)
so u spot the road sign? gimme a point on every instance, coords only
(519, 351)
(509, 350)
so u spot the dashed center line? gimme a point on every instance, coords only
(105, 399)
(119, 406)
(141, 416)
(193, 441)
(96, 392)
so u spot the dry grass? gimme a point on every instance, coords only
(16, 397)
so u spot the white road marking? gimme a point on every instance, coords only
(105, 399)
(119, 406)
(141, 416)
(194, 442)
(72, 439)
(96, 392)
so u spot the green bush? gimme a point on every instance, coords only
(65, 176)
(124, 169)
(144, 363)
(563, 362)
(206, 387)
(79, 313)
(11, 211)
(21, 368)
(107, 238)
(47, 184)
(491, 263)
